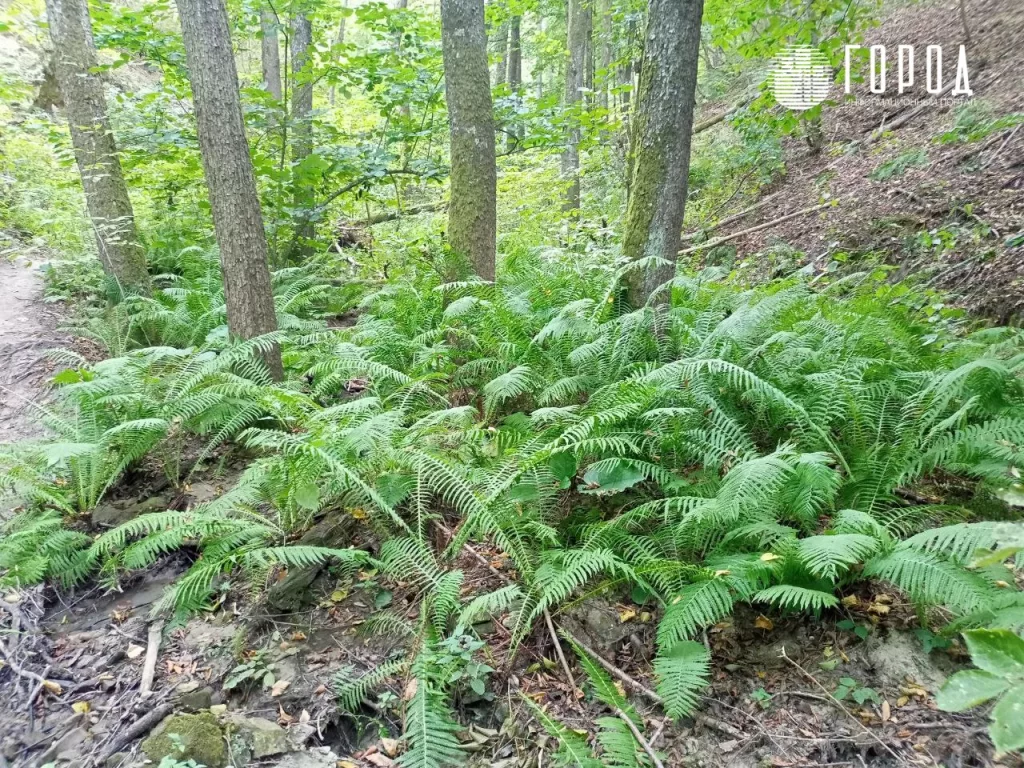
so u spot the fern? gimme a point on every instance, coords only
(683, 671)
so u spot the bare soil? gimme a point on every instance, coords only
(28, 328)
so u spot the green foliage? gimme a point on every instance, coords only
(999, 656)
(897, 166)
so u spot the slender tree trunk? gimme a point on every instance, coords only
(302, 131)
(515, 73)
(578, 34)
(106, 195)
(472, 215)
(605, 63)
(501, 49)
(237, 220)
(662, 127)
(339, 40)
(538, 69)
(270, 52)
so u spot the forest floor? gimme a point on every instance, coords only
(28, 328)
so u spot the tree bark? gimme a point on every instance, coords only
(106, 195)
(472, 215)
(501, 48)
(662, 127)
(578, 35)
(339, 40)
(605, 62)
(515, 74)
(302, 131)
(270, 52)
(237, 219)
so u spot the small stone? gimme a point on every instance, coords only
(195, 700)
(258, 737)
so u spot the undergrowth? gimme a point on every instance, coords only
(741, 446)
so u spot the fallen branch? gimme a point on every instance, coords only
(639, 737)
(729, 219)
(839, 704)
(144, 724)
(152, 651)
(381, 218)
(751, 230)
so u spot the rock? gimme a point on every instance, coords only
(195, 700)
(253, 738)
(68, 748)
(119, 512)
(292, 592)
(188, 737)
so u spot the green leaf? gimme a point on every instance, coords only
(611, 477)
(307, 496)
(998, 651)
(969, 689)
(478, 686)
(563, 465)
(383, 599)
(1007, 729)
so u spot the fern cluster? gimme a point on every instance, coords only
(741, 445)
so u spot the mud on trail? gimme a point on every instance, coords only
(28, 329)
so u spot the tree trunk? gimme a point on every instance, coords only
(237, 220)
(605, 63)
(515, 73)
(501, 49)
(339, 40)
(302, 132)
(106, 196)
(662, 126)
(472, 216)
(270, 52)
(578, 34)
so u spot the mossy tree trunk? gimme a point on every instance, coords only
(106, 195)
(237, 219)
(579, 24)
(660, 146)
(472, 215)
(302, 133)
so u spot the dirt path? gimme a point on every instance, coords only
(27, 331)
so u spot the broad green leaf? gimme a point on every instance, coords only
(1007, 728)
(563, 465)
(617, 477)
(998, 651)
(307, 496)
(969, 689)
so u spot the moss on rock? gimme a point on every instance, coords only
(188, 737)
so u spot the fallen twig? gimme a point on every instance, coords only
(152, 651)
(839, 704)
(639, 737)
